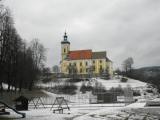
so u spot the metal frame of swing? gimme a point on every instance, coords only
(36, 103)
(60, 101)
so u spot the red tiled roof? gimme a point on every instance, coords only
(80, 54)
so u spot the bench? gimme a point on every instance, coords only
(60, 109)
(59, 103)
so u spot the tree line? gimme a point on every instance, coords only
(21, 63)
(150, 74)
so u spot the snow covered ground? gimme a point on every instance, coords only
(82, 110)
(135, 111)
(116, 82)
(107, 83)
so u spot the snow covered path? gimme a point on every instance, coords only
(46, 114)
(37, 114)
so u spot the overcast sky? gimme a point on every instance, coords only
(123, 28)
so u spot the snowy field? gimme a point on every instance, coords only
(107, 83)
(82, 110)
(135, 111)
(116, 82)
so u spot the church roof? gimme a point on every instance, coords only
(64, 42)
(108, 60)
(99, 55)
(80, 54)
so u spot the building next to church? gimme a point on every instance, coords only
(83, 62)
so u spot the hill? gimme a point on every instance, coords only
(147, 74)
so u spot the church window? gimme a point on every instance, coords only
(94, 68)
(81, 70)
(100, 67)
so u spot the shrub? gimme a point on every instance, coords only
(85, 88)
(75, 80)
(149, 91)
(136, 93)
(123, 79)
(119, 90)
(98, 88)
(65, 88)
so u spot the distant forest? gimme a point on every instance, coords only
(147, 74)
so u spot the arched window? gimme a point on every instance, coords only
(64, 50)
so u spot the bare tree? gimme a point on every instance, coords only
(38, 51)
(127, 64)
(38, 55)
(46, 73)
(19, 66)
(56, 69)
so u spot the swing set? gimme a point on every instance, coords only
(59, 105)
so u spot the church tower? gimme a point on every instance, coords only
(65, 47)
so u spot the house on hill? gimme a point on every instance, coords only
(84, 62)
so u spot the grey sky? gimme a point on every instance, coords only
(123, 28)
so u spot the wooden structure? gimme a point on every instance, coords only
(60, 104)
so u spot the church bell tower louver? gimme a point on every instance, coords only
(65, 47)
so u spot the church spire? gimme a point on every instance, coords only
(65, 39)
(65, 36)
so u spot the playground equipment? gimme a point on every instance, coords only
(5, 105)
(61, 105)
(37, 101)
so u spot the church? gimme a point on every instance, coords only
(84, 62)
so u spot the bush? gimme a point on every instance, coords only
(65, 88)
(123, 79)
(149, 91)
(136, 93)
(119, 90)
(75, 80)
(85, 88)
(98, 88)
